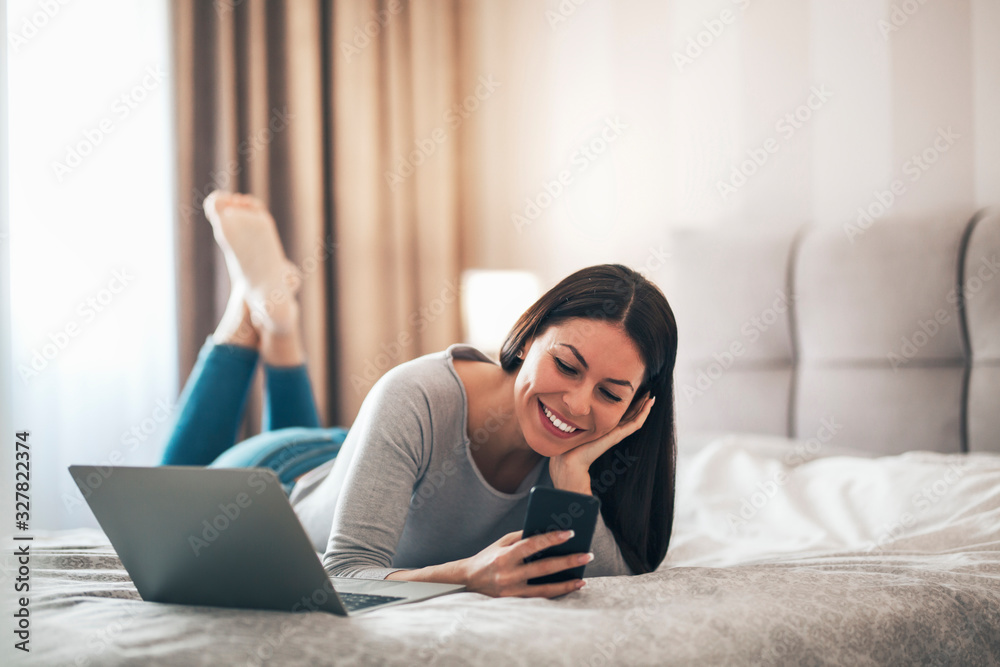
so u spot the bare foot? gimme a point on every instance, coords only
(249, 240)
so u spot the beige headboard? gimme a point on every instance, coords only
(885, 338)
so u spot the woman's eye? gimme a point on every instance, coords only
(569, 370)
(610, 396)
(564, 367)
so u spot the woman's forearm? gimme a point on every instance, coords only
(446, 573)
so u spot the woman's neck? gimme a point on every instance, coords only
(497, 444)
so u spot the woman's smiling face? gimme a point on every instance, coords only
(575, 384)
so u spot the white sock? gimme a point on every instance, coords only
(247, 235)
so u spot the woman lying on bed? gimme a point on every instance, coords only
(431, 481)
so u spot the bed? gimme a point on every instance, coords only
(838, 496)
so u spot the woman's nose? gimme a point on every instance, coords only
(578, 402)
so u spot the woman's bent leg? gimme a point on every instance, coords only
(289, 452)
(289, 399)
(211, 405)
(262, 278)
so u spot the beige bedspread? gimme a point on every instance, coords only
(781, 555)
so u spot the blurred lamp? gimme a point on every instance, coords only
(491, 303)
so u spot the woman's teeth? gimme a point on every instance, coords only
(562, 426)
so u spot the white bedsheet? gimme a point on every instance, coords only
(744, 498)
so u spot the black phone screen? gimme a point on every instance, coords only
(554, 509)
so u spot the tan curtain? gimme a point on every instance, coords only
(308, 105)
(251, 118)
(396, 185)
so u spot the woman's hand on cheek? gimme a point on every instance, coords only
(571, 471)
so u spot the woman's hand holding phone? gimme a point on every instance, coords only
(499, 570)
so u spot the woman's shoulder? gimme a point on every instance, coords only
(432, 374)
(426, 391)
(462, 352)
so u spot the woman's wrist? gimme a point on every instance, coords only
(577, 481)
(453, 572)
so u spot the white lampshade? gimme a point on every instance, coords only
(491, 303)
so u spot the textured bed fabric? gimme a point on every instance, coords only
(845, 610)
(785, 553)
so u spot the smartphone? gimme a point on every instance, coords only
(554, 509)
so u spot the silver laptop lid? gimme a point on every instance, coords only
(208, 536)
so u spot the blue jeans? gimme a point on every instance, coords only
(210, 409)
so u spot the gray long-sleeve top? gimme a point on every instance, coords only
(405, 492)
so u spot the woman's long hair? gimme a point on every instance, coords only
(635, 478)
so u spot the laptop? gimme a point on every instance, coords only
(225, 537)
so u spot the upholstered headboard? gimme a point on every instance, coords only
(886, 338)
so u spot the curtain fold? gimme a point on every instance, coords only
(250, 118)
(397, 187)
(336, 115)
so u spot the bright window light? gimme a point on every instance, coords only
(92, 243)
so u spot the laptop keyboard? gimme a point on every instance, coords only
(354, 601)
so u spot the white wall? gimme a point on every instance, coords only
(894, 79)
